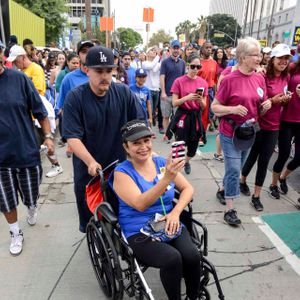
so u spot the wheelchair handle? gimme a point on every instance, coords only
(102, 184)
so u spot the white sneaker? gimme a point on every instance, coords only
(55, 170)
(16, 244)
(32, 216)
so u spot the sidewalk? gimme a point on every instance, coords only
(55, 263)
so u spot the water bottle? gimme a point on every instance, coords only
(248, 123)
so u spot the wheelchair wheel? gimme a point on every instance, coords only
(105, 261)
(195, 233)
(204, 294)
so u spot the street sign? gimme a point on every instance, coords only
(182, 38)
(263, 43)
(219, 35)
(296, 37)
(106, 24)
(148, 15)
(286, 34)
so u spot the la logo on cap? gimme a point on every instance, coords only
(103, 58)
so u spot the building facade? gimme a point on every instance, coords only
(272, 20)
(230, 7)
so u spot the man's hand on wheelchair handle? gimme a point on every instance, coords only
(93, 168)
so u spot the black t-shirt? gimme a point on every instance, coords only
(97, 122)
(19, 100)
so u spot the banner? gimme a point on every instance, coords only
(263, 43)
(181, 38)
(106, 24)
(148, 14)
(296, 37)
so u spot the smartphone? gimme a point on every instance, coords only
(178, 149)
(157, 226)
(200, 91)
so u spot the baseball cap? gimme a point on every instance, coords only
(140, 73)
(51, 55)
(100, 57)
(175, 43)
(84, 43)
(115, 52)
(281, 50)
(266, 50)
(14, 52)
(135, 130)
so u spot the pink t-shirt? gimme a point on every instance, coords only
(271, 119)
(291, 111)
(185, 85)
(238, 88)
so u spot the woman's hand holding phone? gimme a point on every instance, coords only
(173, 166)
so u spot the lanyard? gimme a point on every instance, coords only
(163, 205)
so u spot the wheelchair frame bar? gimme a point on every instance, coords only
(146, 286)
(205, 233)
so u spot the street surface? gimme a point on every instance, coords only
(55, 263)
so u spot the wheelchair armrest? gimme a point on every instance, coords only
(107, 213)
(204, 229)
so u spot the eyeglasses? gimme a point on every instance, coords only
(255, 55)
(198, 67)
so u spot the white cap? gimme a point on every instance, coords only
(281, 50)
(14, 52)
(267, 50)
(233, 51)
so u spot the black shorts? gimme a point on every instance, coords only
(22, 181)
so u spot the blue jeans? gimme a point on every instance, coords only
(234, 160)
(211, 95)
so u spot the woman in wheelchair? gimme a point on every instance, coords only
(144, 185)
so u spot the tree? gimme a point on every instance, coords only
(159, 37)
(185, 28)
(52, 11)
(199, 30)
(224, 23)
(128, 38)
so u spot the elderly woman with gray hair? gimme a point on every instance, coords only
(239, 101)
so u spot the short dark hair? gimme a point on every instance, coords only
(192, 57)
(27, 42)
(126, 54)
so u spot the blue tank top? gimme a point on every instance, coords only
(130, 219)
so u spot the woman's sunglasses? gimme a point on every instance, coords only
(198, 67)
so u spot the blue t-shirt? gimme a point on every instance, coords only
(142, 93)
(172, 69)
(70, 81)
(19, 100)
(97, 122)
(131, 75)
(130, 219)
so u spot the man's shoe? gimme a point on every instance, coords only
(55, 170)
(187, 168)
(244, 188)
(32, 216)
(231, 218)
(218, 157)
(255, 202)
(221, 196)
(16, 244)
(274, 191)
(283, 186)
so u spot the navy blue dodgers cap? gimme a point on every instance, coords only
(140, 73)
(84, 43)
(100, 57)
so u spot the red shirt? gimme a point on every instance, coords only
(209, 71)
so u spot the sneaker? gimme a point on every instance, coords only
(218, 157)
(55, 170)
(211, 128)
(16, 244)
(231, 218)
(221, 196)
(283, 186)
(32, 216)
(161, 130)
(274, 191)
(244, 188)
(187, 168)
(201, 144)
(255, 202)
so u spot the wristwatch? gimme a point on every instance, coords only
(49, 136)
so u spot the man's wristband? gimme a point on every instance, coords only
(49, 136)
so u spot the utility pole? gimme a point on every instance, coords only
(245, 18)
(88, 19)
(108, 37)
(260, 16)
(253, 16)
(270, 27)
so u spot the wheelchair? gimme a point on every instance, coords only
(117, 270)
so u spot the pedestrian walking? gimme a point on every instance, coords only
(94, 113)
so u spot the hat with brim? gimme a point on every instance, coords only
(14, 52)
(281, 50)
(99, 57)
(246, 142)
(83, 44)
(135, 130)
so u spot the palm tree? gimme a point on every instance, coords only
(199, 30)
(185, 28)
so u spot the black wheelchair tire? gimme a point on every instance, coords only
(204, 294)
(105, 261)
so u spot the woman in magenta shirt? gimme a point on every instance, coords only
(241, 97)
(277, 79)
(289, 128)
(186, 123)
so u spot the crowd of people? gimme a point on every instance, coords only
(102, 99)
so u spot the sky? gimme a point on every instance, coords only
(167, 13)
